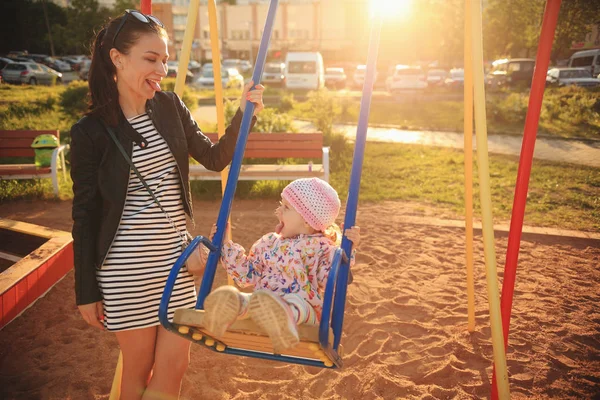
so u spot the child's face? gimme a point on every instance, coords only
(291, 222)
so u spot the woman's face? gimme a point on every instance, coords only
(141, 71)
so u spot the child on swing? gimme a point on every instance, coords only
(288, 268)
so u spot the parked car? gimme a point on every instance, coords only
(172, 73)
(245, 66)
(304, 70)
(358, 79)
(58, 75)
(335, 78)
(242, 66)
(74, 61)
(17, 53)
(230, 78)
(436, 77)
(588, 59)
(84, 70)
(4, 61)
(571, 77)
(510, 72)
(57, 65)
(195, 67)
(27, 72)
(456, 79)
(274, 74)
(406, 78)
(38, 58)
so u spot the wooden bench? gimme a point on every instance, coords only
(276, 145)
(17, 144)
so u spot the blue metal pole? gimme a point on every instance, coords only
(236, 163)
(357, 165)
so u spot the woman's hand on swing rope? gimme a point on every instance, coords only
(255, 96)
(93, 314)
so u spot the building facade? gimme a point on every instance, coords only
(336, 28)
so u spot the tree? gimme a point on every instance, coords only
(23, 27)
(122, 5)
(574, 22)
(511, 28)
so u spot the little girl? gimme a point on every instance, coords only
(288, 268)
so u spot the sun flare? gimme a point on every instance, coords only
(390, 8)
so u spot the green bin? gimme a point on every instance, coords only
(43, 146)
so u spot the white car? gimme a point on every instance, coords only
(406, 78)
(436, 77)
(358, 80)
(230, 78)
(84, 70)
(571, 77)
(274, 74)
(335, 78)
(304, 70)
(241, 65)
(456, 80)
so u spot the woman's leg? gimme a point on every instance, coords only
(171, 359)
(137, 346)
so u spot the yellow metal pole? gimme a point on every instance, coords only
(115, 392)
(186, 46)
(486, 203)
(468, 132)
(216, 58)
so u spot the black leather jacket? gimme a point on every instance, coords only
(100, 176)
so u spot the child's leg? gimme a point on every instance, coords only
(222, 307)
(304, 313)
(273, 315)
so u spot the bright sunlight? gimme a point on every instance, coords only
(390, 8)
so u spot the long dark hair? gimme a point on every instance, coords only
(104, 96)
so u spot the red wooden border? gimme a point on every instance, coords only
(26, 291)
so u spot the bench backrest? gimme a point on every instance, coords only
(18, 143)
(281, 145)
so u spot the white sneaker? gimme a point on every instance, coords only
(221, 309)
(275, 317)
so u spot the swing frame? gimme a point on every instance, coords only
(319, 344)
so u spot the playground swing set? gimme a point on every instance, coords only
(320, 344)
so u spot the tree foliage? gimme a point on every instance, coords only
(72, 27)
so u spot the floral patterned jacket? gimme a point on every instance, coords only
(298, 265)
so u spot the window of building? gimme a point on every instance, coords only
(179, 19)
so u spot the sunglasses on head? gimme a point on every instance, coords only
(147, 19)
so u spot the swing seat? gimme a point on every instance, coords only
(245, 334)
(319, 344)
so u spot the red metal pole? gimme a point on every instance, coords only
(536, 96)
(146, 6)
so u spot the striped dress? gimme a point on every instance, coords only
(146, 246)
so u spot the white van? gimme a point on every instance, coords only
(304, 70)
(588, 59)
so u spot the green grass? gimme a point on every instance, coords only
(560, 195)
(24, 93)
(566, 112)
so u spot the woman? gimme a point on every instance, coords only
(124, 244)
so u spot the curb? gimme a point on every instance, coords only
(530, 233)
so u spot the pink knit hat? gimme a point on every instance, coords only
(315, 200)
